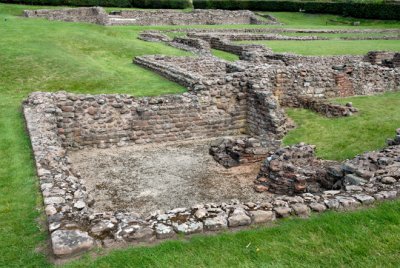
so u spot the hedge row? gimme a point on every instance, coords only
(107, 3)
(357, 10)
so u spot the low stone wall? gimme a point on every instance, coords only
(234, 36)
(324, 107)
(107, 120)
(260, 57)
(324, 81)
(149, 17)
(287, 30)
(238, 49)
(83, 14)
(378, 57)
(153, 36)
(197, 16)
(219, 103)
(194, 45)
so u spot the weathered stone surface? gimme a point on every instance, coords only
(283, 212)
(80, 204)
(239, 218)
(318, 207)
(69, 242)
(388, 180)
(201, 213)
(217, 223)
(50, 210)
(351, 179)
(301, 210)
(149, 17)
(292, 170)
(365, 199)
(188, 227)
(347, 202)
(53, 200)
(164, 231)
(261, 216)
(102, 227)
(332, 203)
(143, 234)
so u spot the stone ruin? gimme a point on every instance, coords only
(150, 17)
(239, 108)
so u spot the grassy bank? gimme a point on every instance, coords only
(40, 55)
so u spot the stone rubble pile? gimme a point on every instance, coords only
(291, 170)
(98, 15)
(294, 169)
(231, 152)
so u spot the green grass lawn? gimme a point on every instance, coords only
(225, 55)
(342, 138)
(39, 55)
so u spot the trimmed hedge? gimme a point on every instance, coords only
(358, 10)
(107, 3)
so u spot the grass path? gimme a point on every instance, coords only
(38, 55)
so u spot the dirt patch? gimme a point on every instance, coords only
(150, 177)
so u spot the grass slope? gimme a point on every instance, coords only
(50, 56)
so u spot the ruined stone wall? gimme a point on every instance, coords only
(83, 14)
(221, 101)
(105, 120)
(323, 81)
(260, 57)
(149, 17)
(238, 49)
(197, 16)
(323, 106)
(75, 226)
(377, 57)
(264, 118)
(249, 36)
(193, 42)
(211, 108)
(287, 30)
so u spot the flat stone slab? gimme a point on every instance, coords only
(69, 242)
